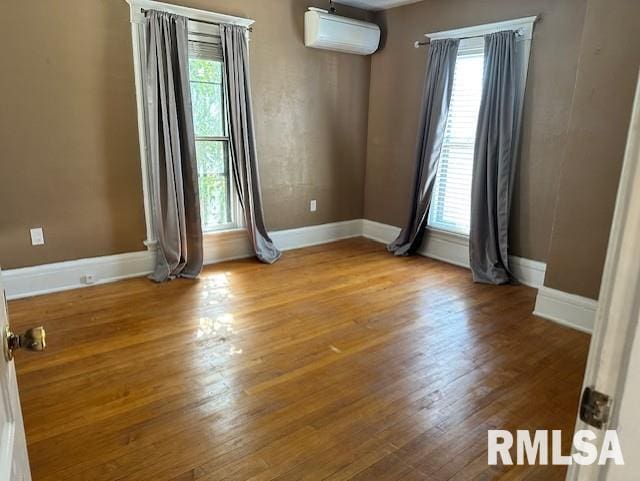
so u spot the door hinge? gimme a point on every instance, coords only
(594, 408)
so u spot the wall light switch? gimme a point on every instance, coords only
(313, 206)
(37, 236)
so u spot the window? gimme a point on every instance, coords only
(451, 202)
(217, 199)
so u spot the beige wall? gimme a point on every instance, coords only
(607, 76)
(68, 129)
(68, 132)
(397, 74)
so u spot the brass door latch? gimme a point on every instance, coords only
(31, 340)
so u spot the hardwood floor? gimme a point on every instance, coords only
(339, 362)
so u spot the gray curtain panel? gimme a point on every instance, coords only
(172, 161)
(494, 163)
(244, 162)
(433, 120)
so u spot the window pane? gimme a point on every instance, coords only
(202, 70)
(451, 202)
(212, 158)
(209, 119)
(214, 201)
(207, 104)
(214, 184)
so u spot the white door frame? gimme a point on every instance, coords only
(14, 460)
(619, 305)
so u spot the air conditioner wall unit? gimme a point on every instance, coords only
(327, 31)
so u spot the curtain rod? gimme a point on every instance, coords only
(199, 21)
(419, 44)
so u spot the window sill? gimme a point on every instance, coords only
(449, 236)
(235, 233)
(225, 245)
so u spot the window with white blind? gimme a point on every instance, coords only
(451, 201)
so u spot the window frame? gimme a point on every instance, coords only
(524, 26)
(199, 20)
(205, 33)
(467, 47)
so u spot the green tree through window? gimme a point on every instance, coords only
(212, 143)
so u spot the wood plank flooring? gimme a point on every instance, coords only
(339, 362)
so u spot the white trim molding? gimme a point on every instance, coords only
(218, 247)
(136, 7)
(523, 25)
(316, 234)
(62, 276)
(235, 244)
(379, 232)
(567, 309)
(454, 249)
(529, 272)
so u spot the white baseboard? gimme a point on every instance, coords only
(379, 232)
(454, 249)
(316, 234)
(528, 272)
(231, 245)
(568, 309)
(225, 246)
(44, 279)
(62, 276)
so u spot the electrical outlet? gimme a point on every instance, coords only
(37, 236)
(313, 206)
(89, 279)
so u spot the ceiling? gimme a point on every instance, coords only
(376, 4)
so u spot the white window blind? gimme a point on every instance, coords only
(451, 201)
(211, 50)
